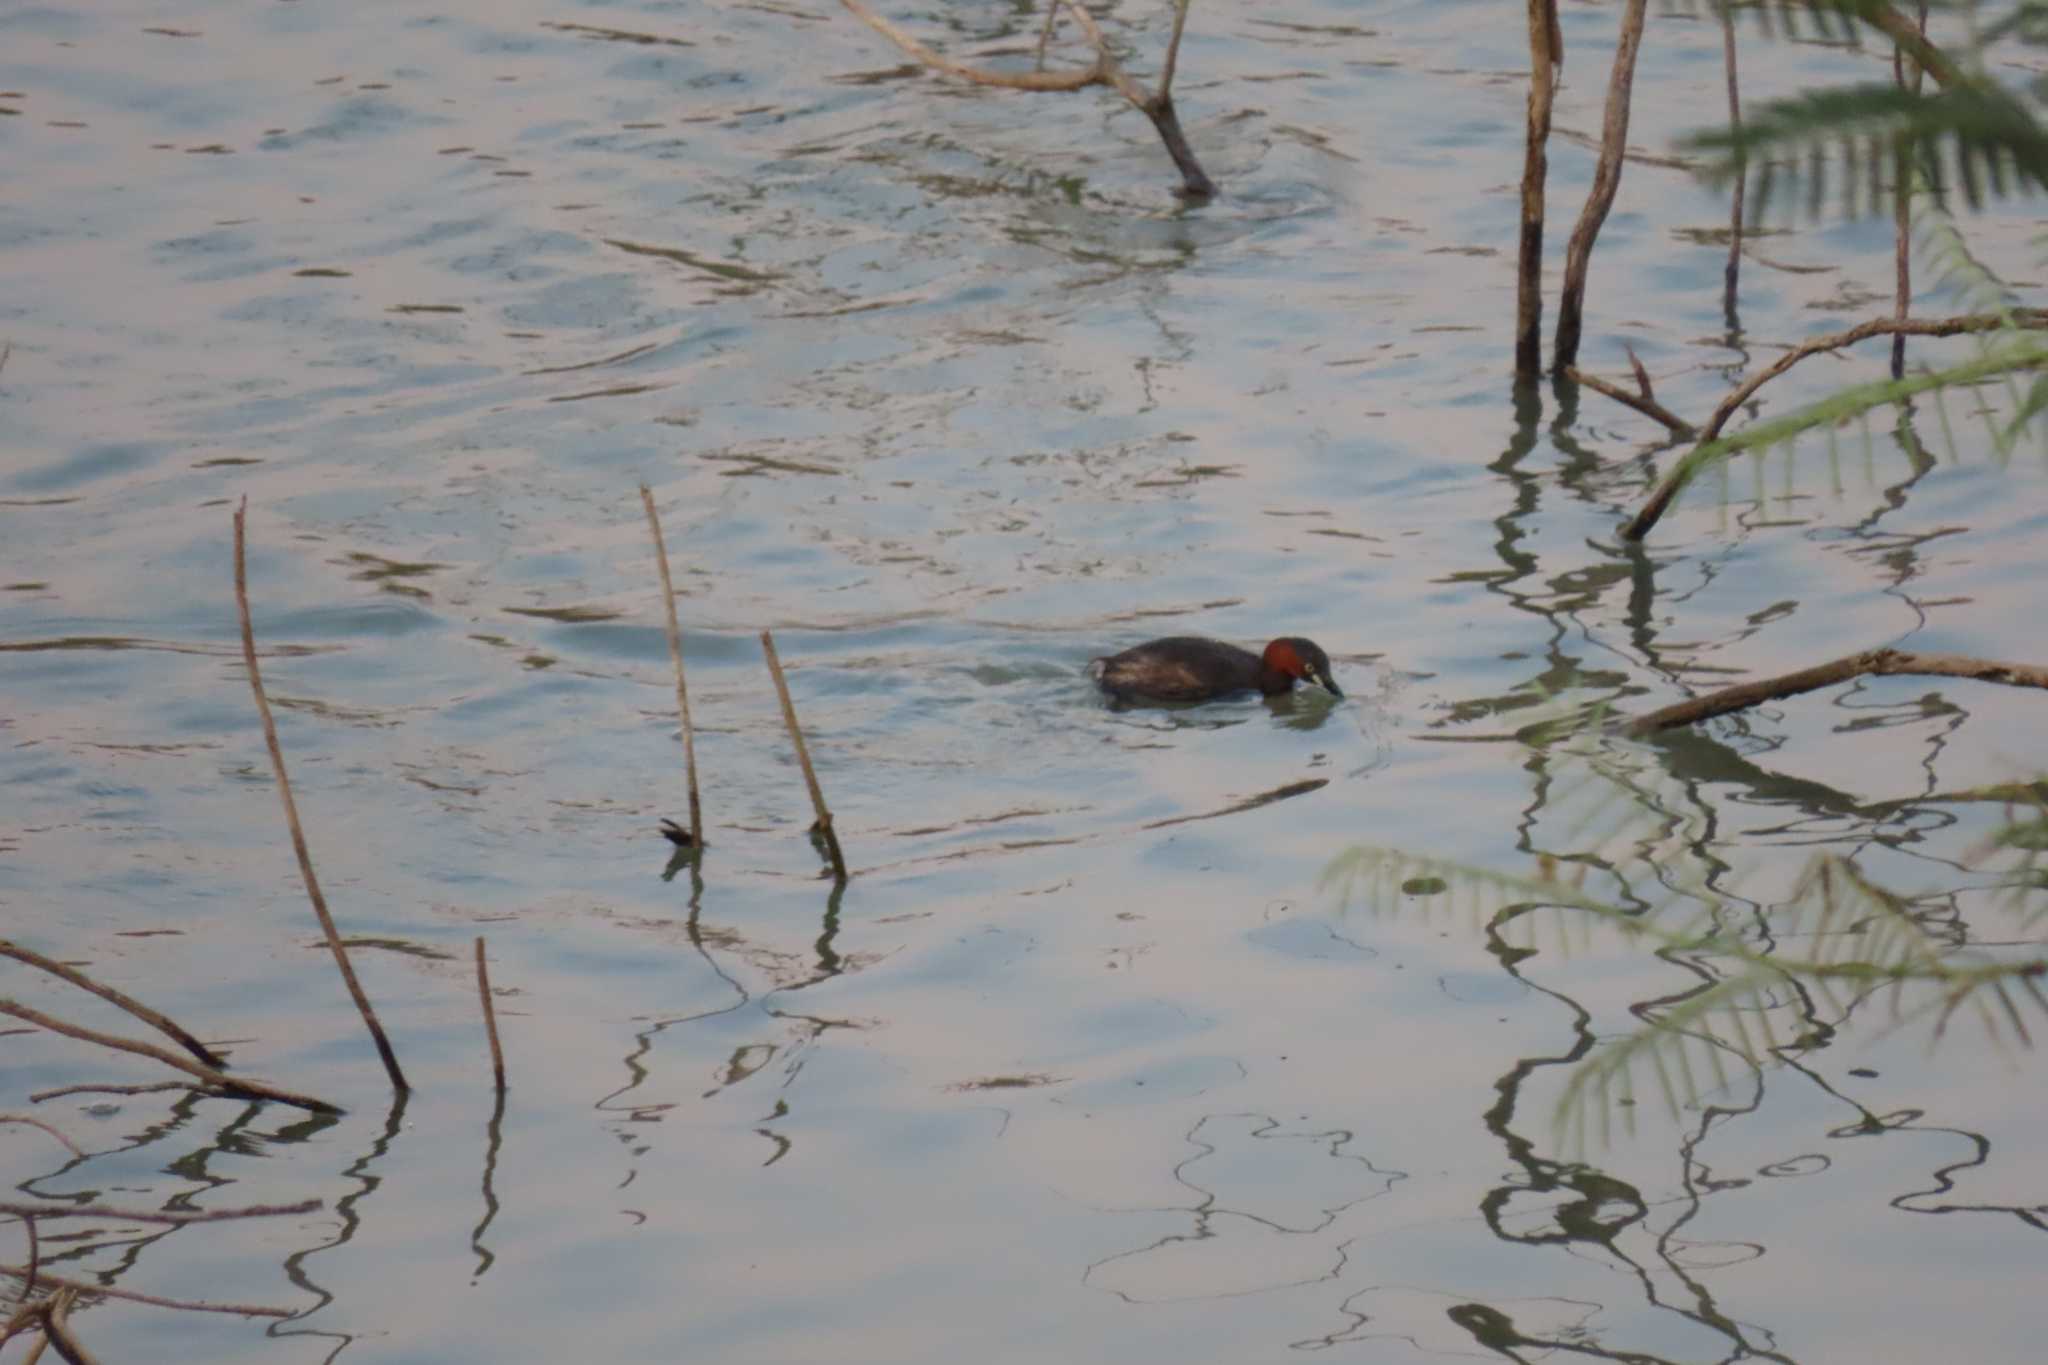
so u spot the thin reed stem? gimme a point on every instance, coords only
(824, 826)
(483, 990)
(675, 654)
(291, 813)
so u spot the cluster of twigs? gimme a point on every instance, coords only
(49, 1314)
(1104, 69)
(691, 840)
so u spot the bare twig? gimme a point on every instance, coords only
(1643, 401)
(27, 1313)
(1012, 80)
(675, 654)
(74, 1148)
(1870, 663)
(1893, 22)
(1681, 473)
(219, 1080)
(1052, 19)
(1104, 70)
(39, 1096)
(57, 1329)
(1546, 56)
(483, 990)
(159, 1022)
(1606, 180)
(823, 828)
(165, 1217)
(291, 814)
(190, 1305)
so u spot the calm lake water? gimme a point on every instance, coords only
(943, 385)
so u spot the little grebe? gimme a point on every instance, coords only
(1189, 668)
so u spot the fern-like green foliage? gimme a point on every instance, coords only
(1977, 137)
(1775, 980)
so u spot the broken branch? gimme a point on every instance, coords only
(1870, 663)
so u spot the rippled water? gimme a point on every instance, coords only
(944, 386)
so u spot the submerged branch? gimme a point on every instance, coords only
(168, 1218)
(190, 1305)
(219, 1080)
(1870, 663)
(1104, 70)
(1644, 401)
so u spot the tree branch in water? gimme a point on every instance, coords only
(1870, 663)
(1104, 70)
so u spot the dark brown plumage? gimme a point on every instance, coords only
(1188, 668)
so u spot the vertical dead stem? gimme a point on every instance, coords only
(1546, 54)
(675, 654)
(483, 990)
(1606, 180)
(803, 757)
(1902, 212)
(291, 815)
(1732, 272)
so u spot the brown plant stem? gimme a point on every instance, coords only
(1644, 401)
(57, 1329)
(291, 813)
(1546, 56)
(1902, 211)
(823, 827)
(483, 990)
(1731, 273)
(39, 1096)
(169, 1219)
(675, 655)
(1606, 180)
(161, 1023)
(71, 1146)
(1680, 474)
(1870, 663)
(190, 1305)
(218, 1080)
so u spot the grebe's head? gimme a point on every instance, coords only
(1303, 659)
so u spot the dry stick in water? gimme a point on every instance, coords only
(1870, 663)
(291, 814)
(246, 1310)
(1643, 400)
(57, 1329)
(218, 1080)
(483, 990)
(159, 1022)
(1681, 473)
(161, 1216)
(1104, 70)
(803, 757)
(1546, 56)
(675, 654)
(1606, 180)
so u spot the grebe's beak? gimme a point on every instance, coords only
(1321, 678)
